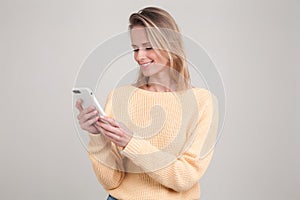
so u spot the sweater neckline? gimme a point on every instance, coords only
(162, 93)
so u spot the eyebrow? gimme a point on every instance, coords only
(144, 44)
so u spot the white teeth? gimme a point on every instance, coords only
(146, 64)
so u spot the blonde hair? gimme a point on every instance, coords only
(164, 34)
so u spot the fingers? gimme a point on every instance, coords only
(78, 105)
(110, 121)
(83, 112)
(86, 116)
(111, 136)
(119, 137)
(114, 133)
(90, 122)
(110, 128)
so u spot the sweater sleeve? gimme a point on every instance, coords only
(105, 156)
(187, 169)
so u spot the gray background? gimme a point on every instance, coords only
(255, 45)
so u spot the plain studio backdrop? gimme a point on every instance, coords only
(254, 44)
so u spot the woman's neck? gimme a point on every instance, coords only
(158, 86)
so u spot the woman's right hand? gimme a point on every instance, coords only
(87, 118)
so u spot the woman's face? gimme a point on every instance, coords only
(150, 62)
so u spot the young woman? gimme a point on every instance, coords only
(149, 145)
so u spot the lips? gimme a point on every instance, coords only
(146, 64)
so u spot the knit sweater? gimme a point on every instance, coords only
(171, 147)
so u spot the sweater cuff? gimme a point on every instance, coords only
(97, 142)
(146, 156)
(137, 147)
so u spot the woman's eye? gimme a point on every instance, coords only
(148, 48)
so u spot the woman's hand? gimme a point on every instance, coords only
(87, 118)
(115, 131)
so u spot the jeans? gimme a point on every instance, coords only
(111, 198)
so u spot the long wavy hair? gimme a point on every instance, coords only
(163, 34)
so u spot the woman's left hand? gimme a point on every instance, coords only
(115, 131)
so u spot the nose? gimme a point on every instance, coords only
(141, 54)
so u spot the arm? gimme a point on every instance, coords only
(105, 157)
(187, 169)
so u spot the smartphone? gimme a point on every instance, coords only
(88, 98)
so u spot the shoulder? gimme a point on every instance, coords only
(203, 93)
(205, 96)
(120, 91)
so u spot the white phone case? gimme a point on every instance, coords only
(89, 98)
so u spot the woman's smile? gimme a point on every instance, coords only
(146, 65)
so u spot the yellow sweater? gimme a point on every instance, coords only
(171, 147)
